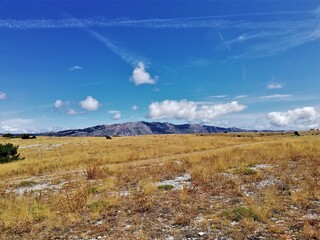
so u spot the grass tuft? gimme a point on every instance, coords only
(239, 213)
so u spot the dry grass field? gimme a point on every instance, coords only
(215, 186)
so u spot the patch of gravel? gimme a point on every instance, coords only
(50, 147)
(41, 147)
(261, 167)
(267, 182)
(250, 189)
(310, 216)
(30, 146)
(36, 187)
(178, 183)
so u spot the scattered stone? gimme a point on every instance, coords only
(246, 191)
(30, 146)
(261, 166)
(124, 193)
(310, 216)
(267, 182)
(178, 183)
(99, 222)
(36, 187)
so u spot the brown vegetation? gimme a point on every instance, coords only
(216, 186)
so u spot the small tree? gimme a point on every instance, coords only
(25, 136)
(9, 153)
(8, 135)
(28, 136)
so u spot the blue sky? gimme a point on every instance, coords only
(73, 64)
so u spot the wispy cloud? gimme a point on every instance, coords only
(240, 96)
(86, 25)
(123, 54)
(3, 95)
(225, 43)
(73, 112)
(251, 39)
(219, 96)
(116, 115)
(277, 40)
(276, 96)
(74, 68)
(189, 22)
(275, 85)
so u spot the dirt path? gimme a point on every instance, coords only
(141, 162)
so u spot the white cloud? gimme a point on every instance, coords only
(58, 103)
(74, 68)
(219, 96)
(141, 76)
(299, 117)
(73, 112)
(135, 107)
(3, 96)
(191, 111)
(274, 86)
(90, 104)
(116, 114)
(18, 125)
(276, 96)
(241, 96)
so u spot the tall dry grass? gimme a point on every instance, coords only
(114, 182)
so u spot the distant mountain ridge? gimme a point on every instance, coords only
(143, 128)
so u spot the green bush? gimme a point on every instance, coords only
(239, 213)
(9, 153)
(27, 136)
(8, 135)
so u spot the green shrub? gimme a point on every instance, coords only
(27, 183)
(27, 136)
(9, 153)
(245, 171)
(239, 213)
(97, 206)
(249, 171)
(8, 135)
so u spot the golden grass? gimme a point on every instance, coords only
(50, 154)
(265, 185)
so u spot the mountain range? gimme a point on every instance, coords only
(142, 128)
